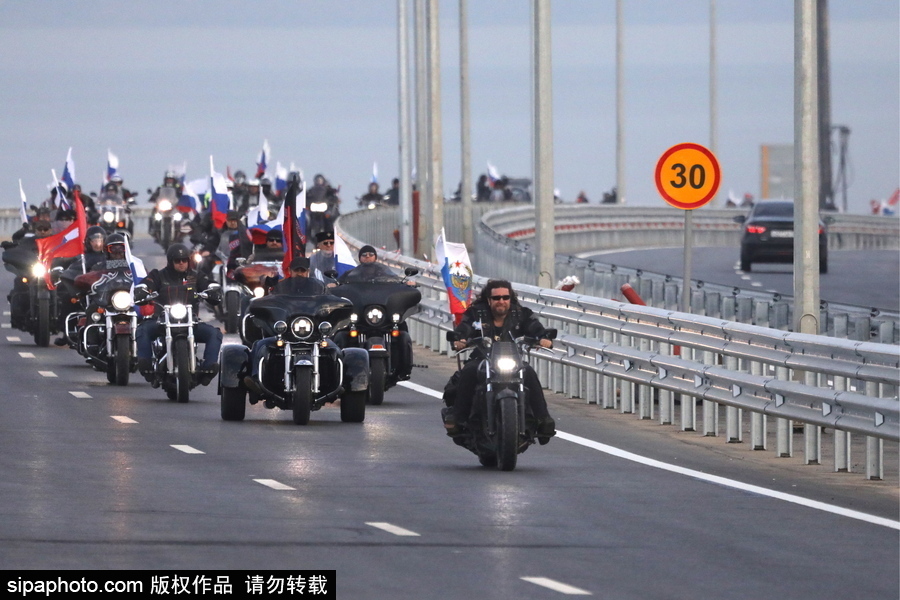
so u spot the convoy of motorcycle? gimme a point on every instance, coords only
(34, 306)
(294, 363)
(381, 304)
(503, 424)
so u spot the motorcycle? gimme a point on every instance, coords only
(502, 426)
(301, 368)
(381, 305)
(114, 214)
(323, 214)
(250, 276)
(33, 301)
(104, 333)
(175, 353)
(165, 217)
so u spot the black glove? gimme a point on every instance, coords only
(214, 295)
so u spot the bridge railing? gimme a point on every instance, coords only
(664, 365)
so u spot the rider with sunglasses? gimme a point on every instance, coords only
(177, 274)
(322, 260)
(497, 315)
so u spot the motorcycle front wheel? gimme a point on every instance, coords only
(182, 360)
(42, 329)
(234, 404)
(232, 311)
(122, 361)
(353, 407)
(507, 434)
(302, 396)
(377, 373)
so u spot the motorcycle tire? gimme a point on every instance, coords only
(507, 434)
(122, 360)
(234, 403)
(353, 407)
(377, 374)
(487, 460)
(232, 311)
(182, 360)
(42, 326)
(301, 399)
(166, 233)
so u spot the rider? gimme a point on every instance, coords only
(21, 255)
(94, 253)
(373, 196)
(297, 283)
(323, 259)
(272, 251)
(498, 315)
(177, 274)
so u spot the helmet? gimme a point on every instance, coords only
(319, 179)
(177, 252)
(93, 232)
(116, 179)
(265, 181)
(114, 240)
(110, 187)
(169, 176)
(240, 177)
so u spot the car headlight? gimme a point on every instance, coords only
(318, 207)
(302, 327)
(506, 364)
(178, 311)
(38, 269)
(121, 300)
(164, 205)
(374, 316)
(109, 217)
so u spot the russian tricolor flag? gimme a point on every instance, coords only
(456, 271)
(344, 260)
(68, 176)
(262, 162)
(112, 165)
(220, 196)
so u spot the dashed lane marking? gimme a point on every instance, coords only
(187, 449)
(393, 529)
(26, 354)
(13, 338)
(275, 485)
(81, 394)
(47, 373)
(122, 419)
(557, 586)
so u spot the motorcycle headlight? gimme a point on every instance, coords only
(178, 311)
(325, 328)
(109, 217)
(280, 327)
(95, 317)
(258, 292)
(318, 207)
(372, 205)
(302, 327)
(396, 317)
(354, 318)
(506, 364)
(121, 300)
(198, 258)
(374, 316)
(157, 217)
(176, 217)
(164, 205)
(38, 269)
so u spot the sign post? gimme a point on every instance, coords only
(687, 177)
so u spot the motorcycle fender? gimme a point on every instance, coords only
(376, 347)
(235, 363)
(123, 327)
(356, 369)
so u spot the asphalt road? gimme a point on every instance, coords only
(869, 278)
(100, 477)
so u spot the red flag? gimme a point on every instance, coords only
(294, 238)
(67, 243)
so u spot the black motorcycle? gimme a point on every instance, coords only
(323, 214)
(301, 368)
(105, 333)
(175, 353)
(381, 304)
(502, 425)
(33, 301)
(114, 214)
(165, 217)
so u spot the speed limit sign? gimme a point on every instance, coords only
(688, 176)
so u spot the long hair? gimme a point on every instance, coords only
(493, 284)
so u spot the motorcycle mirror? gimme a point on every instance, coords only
(331, 273)
(451, 336)
(410, 271)
(551, 334)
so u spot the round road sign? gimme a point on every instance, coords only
(687, 176)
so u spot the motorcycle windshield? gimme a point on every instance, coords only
(108, 284)
(369, 273)
(110, 199)
(169, 194)
(283, 307)
(395, 297)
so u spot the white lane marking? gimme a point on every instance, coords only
(5, 325)
(393, 529)
(122, 419)
(853, 514)
(80, 394)
(746, 277)
(275, 485)
(13, 338)
(187, 449)
(755, 284)
(47, 373)
(26, 354)
(557, 586)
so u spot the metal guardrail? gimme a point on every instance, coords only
(640, 359)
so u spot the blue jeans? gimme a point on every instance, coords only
(206, 334)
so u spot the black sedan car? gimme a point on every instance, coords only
(769, 235)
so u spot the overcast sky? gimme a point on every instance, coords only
(168, 82)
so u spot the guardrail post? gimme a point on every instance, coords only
(609, 382)
(645, 392)
(812, 434)
(733, 415)
(842, 458)
(666, 397)
(688, 402)
(626, 388)
(874, 446)
(710, 408)
(784, 444)
(758, 433)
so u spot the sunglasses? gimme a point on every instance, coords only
(498, 298)
(328, 243)
(179, 260)
(367, 254)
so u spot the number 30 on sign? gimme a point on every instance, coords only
(688, 176)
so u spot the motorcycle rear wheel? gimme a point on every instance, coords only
(302, 395)
(234, 405)
(507, 434)
(182, 360)
(353, 407)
